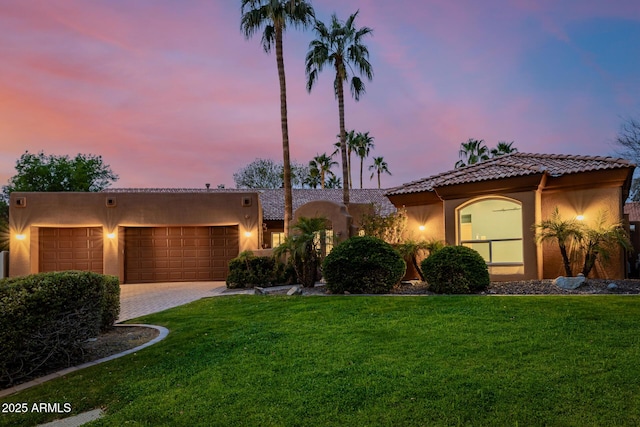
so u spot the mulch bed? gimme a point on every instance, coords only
(117, 340)
(526, 287)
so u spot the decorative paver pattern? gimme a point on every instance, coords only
(141, 299)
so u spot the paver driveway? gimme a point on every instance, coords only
(141, 299)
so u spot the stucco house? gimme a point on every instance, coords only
(160, 235)
(157, 235)
(491, 207)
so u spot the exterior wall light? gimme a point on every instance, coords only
(580, 217)
(21, 236)
(247, 234)
(422, 228)
(111, 235)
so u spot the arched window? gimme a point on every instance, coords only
(493, 227)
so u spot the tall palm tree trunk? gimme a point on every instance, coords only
(288, 197)
(378, 179)
(349, 167)
(343, 143)
(361, 164)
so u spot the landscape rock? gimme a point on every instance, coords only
(612, 286)
(296, 290)
(259, 291)
(569, 282)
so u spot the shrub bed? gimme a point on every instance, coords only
(247, 271)
(363, 264)
(45, 318)
(456, 270)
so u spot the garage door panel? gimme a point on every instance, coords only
(193, 253)
(79, 248)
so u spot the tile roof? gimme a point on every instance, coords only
(633, 210)
(513, 165)
(272, 200)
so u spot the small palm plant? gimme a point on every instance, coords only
(561, 231)
(600, 240)
(411, 250)
(304, 248)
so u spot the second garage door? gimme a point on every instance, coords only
(174, 254)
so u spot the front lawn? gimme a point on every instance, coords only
(394, 361)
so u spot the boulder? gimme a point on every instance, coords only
(612, 286)
(296, 290)
(569, 282)
(259, 291)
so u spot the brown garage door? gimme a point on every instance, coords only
(175, 254)
(70, 249)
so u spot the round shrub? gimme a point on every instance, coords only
(456, 270)
(363, 264)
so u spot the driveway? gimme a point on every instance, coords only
(141, 299)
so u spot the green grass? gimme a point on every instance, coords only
(382, 361)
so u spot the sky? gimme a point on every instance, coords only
(171, 94)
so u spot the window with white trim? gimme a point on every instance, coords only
(493, 227)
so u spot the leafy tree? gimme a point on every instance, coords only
(471, 152)
(266, 173)
(261, 173)
(341, 47)
(379, 167)
(273, 16)
(323, 164)
(42, 172)
(556, 229)
(299, 174)
(389, 228)
(503, 147)
(628, 140)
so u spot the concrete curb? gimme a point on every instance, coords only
(163, 334)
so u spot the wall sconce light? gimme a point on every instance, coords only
(247, 234)
(21, 236)
(422, 228)
(580, 217)
(111, 235)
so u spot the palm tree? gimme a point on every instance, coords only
(323, 163)
(304, 247)
(351, 146)
(313, 178)
(600, 240)
(471, 152)
(364, 144)
(379, 166)
(333, 182)
(561, 231)
(274, 15)
(503, 147)
(340, 47)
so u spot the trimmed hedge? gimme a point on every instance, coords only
(45, 319)
(456, 270)
(247, 271)
(363, 264)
